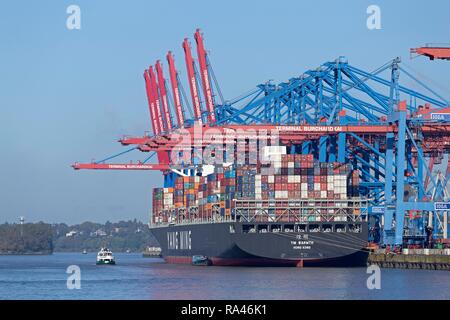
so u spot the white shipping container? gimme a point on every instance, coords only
(298, 179)
(270, 179)
(290, 165)
(304, 194)
(323, 194)
(291, 179)
(316, 186)
(270, 151)
(304, 186)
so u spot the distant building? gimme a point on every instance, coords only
(71, 233)
(98, 233)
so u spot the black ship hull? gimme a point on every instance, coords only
(312, 244)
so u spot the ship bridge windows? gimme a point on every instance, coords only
(339, 228)
(288, 228)
(301, 228)
(314, 228)
(262, 228)
(355, 228)
(275, 228)
(327, 228)
(248, 228)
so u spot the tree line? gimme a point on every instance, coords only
(42, 238)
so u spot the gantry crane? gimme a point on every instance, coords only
(390, 133)
(433, 51)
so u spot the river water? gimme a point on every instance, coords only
(135, 277)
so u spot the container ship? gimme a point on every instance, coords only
(292, 212)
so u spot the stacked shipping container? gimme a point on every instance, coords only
(288, 176)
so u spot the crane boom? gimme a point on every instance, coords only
(433, 52)
(154, 90)
(201, 52)
(175, 90)
(163, 95)
(192, 80)
(120, 166)
(151, 104)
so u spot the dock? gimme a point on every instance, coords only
(430, 259)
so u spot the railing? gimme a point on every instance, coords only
(289, 210)
(302, 210)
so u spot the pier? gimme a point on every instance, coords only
(431, 259)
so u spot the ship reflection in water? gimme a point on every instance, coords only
(44, 277)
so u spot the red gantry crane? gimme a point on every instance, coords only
(192, 81)
(433, 52)
(163, 96)
(175, 90)
(154, 90)
(151, 104)
(201, 52)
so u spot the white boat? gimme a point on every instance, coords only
(105, 256)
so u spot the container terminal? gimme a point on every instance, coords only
(337, 166)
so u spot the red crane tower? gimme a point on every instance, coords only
(163, 96)
(175, 90)
(433, 52)
(192, 81)
(205, 76)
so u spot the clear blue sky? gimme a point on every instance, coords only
(67, 96)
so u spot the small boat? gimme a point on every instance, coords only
(105, 256)
(200, 260)
(84, 251)
(128, 251)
